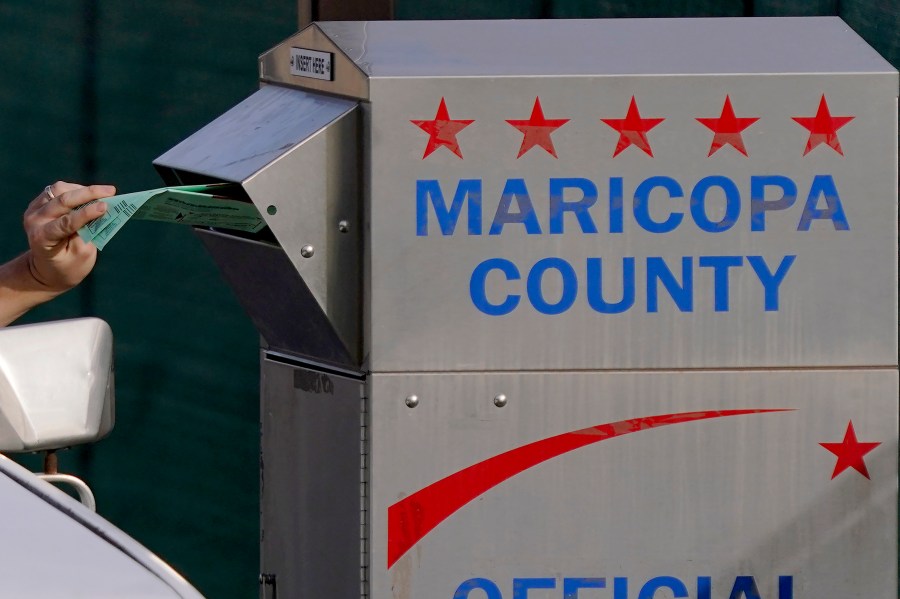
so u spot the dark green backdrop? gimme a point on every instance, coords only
(878, 21)
(93, 91)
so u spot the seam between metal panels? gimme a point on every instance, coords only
(363, 494)
(642, 370)
(275, 355)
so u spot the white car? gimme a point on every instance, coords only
(56, 390)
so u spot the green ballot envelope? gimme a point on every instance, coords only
(204, 205)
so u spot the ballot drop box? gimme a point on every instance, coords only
(569, 309)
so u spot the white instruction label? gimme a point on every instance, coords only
(312, 63)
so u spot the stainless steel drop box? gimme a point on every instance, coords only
(570, 308)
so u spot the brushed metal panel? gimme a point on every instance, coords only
(257, 131)
(314, 192)
(310, 513)
(837, 304)
(729, 496)
(551, 48)
(276, 299)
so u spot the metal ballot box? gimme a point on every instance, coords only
(570, 309)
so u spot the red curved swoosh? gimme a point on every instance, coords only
(415, 516)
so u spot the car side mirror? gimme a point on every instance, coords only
(56, 384)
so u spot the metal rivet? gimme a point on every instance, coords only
(343, 226)
(307, 251)
(271, 209)
(500, 400)
(412, 401)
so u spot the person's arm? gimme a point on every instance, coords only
(57, 259)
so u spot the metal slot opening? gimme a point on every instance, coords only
(172, 177)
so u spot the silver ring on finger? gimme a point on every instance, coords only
(49, 192)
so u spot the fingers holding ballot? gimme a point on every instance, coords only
(58, 258)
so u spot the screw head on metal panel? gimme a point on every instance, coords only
(412, 401)
(500, 400)
(307, 251)
(271, 210)
(343, 226)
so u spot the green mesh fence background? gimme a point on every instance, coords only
(878, 21)
(94, 91)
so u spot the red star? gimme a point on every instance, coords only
(823, 128)
(537, 130)
(850, 453)
(727, 129)
(442, 131)
(632, 129)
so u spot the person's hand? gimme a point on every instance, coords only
(58, 258)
